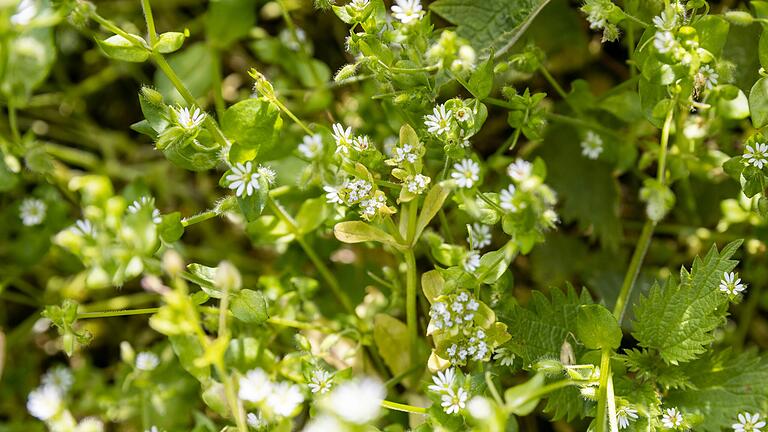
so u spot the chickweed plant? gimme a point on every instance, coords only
(367, 215)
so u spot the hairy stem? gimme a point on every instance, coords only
(403, 407)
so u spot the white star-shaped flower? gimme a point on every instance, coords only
(321, 381)
(731, 284)
(311, 146)
(757, 155)
(626, 415)
(439, 122)
(664, 41)
(507, 199)
(520, 170)
(748, 423)
(466, 173)
(592, 145)
(243, 180)
(32, 211)
(479, 235)
(453, 401)
(189, 120)
(407, 11)
(443, 381)
(672, 419)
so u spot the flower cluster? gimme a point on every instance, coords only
(274, 399)
(362, 193)
(455, 311)
(454, 122)
(529, 199)
(472, 347)
(453, 396)
(453, 52)
(47, 403)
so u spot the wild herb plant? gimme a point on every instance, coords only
(442, 235)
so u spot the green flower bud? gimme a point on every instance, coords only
(345, 73)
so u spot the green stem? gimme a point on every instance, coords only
(117, 313)
(646, 235)
(492, 388)
(147, 8)
(326, 274)
(200, 217)
(411, 279)
(13, 121)
(403, 407)
(553, 82)
(605, 376)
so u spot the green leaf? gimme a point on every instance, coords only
(518, 398)
(229, 20)
(489, 24)
(193, 67)
(432, 204)
(539, 330)
(481, 81)
(392, 342)
(678, 319)
(249, 306)
(713, 33)
(253, 124)
(734, 167)
(312, 214)
(253, 205)
(433, 285)
(119, 48)
(203, 276)
(188, 349)
(758, 102)
(169, 42)
(597, 328)
(722, 385)
(170, 228)
(358, 232)
(29, 57)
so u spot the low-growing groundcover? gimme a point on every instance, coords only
(366, 215)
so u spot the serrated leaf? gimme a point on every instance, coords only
(677, 319)
(490, 24)
(723, 385)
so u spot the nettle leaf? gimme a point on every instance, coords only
(490, 24)
(677, 320)
(722, 385)
(539, 330)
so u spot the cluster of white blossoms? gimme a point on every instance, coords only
(189, 120)
(347, 143)
(529, 190)
(756, 155)
(280, 399)
(731, 284)
(466, 173)
(32, 211)
(407, 11)
(473, 347)
(311, 146)
(417, 184)
(592, 145)
(46, 403)
(361, 192)
(452, 51)
(453, 397)
(748, 423)
(455, 311)
(479, 235)
(147, 361)
(672, 418)
(321, 381)
(146, 202)
(471, 261)
(244, 178)
(356, 402)
(599, 16)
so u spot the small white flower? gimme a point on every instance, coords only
(748, 423)
(439, 122)
(332, 195)
(361, 143)
(357, 401)
(153, 429)
(520, 170)
(666, 21)
(311, 146)
(444, 381)
(407, 11)
(471, 261)
(466, 173)
(343, 138)
(44, 402)
(454, 401)
(479, 408)
(371, 206)
(358, 190)
(463, 114)
(59, 377)
(284, 398)
(707, 77)
(84, 227)
(507, 199)
(189, 120)
(592, 145)
(757, 155)
(405, 154)
(479, 236)
(672, 419)
(25, 12)
(147, 361)
(324, 423)
(504, 356)
(243, 180)
(143, 202)
(90, 424)
(664, 41)
(321, 381)
(418, 184)
(625, 415)
(32, 211)
(255, 420)
(731, 284)
(255, 386)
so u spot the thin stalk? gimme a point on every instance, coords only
(147, 8)
(117, 313)
(492, 388)
(411, 279)
(232, 400)
(200, 217)
(223, 312)
(630, 278)
(403, 407)
(605, 376)
(13, 121)
(553, 82)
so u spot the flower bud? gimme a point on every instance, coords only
(173, 263)
(228, 277)
(152, 95)
(548, 367)
(345, 73)
(262, 86)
